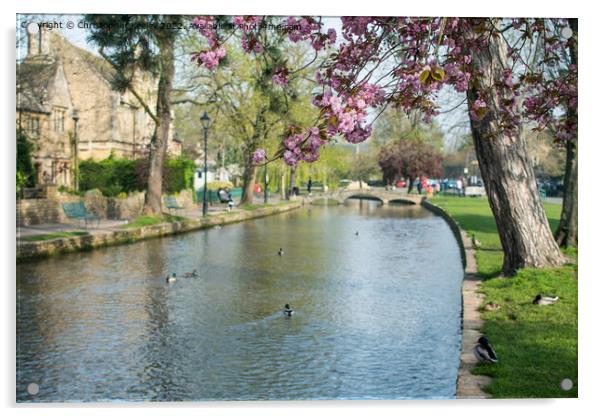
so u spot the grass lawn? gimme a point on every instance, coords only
(536, 345)
(146, 220)
(52, 236)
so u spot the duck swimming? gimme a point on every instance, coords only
(484, 351)
(544, 300)
(288, 312)
(191, 274)
(171, 279)
(281, 252)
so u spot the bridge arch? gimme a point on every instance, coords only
(365, 196)
(402, 201)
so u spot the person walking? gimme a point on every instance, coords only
(309, 186)
(459, 186)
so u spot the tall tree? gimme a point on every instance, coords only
(567, 231)
(506, 166)
(254, 90)
(134, 43)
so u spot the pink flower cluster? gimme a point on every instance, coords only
(247, 23)
(427, 54)
(259, 156)
(346, 115)
(250, 43)
(303, 146)
(308, 29)
(211, 58)
(280, 76)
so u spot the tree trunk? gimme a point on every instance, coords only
(152, 204)
(509, 179)
(292, 181)
(248, 182)
(410, 184)
(566, 233)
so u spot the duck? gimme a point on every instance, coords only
(191, 274)
(281, 252)
(492, 306)
(288, 312)
(357, 233)
(484, 351)
(171, 279)
(544, 300)
(475, 243)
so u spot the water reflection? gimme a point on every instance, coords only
(377, 314)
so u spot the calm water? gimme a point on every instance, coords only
(377, 315)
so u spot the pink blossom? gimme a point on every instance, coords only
(259, 156)
(279, 76)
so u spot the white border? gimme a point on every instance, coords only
(590, 185)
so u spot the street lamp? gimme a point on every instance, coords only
(75, 117)
(205, 120)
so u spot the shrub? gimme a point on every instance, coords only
(216, 185)
(116, 176)
(26, 173)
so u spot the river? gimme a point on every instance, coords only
(377, 315)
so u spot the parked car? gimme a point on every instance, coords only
(475, 191)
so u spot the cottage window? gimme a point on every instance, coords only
(59, 120)
(32, 126)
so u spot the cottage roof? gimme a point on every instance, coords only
(34, 81)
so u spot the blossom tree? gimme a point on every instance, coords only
(406, 62)
(409, 159)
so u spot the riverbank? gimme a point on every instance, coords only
(30, 248)
(536, 346)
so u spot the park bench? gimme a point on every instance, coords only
(224, 196)
(78, 211)
(171, 203)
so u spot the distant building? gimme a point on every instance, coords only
(57, 77)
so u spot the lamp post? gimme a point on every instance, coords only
(205, 120)
(75, 117)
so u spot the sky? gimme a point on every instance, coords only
(454, 123)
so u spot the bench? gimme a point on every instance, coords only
(171, 203)
(78, 211)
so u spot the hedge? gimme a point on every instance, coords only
(114, 176)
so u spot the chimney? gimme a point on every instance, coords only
(37, 40)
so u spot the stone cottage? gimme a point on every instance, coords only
(56, 78)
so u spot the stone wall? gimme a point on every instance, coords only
(49, 210)
(38, 211)
(33, 249)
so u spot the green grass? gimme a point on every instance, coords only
(52, 236)
(146, 220)
(536, 345)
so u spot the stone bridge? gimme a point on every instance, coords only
(375, 194)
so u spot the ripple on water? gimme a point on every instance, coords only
(377, 315)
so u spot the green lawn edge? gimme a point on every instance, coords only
(536, 345)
